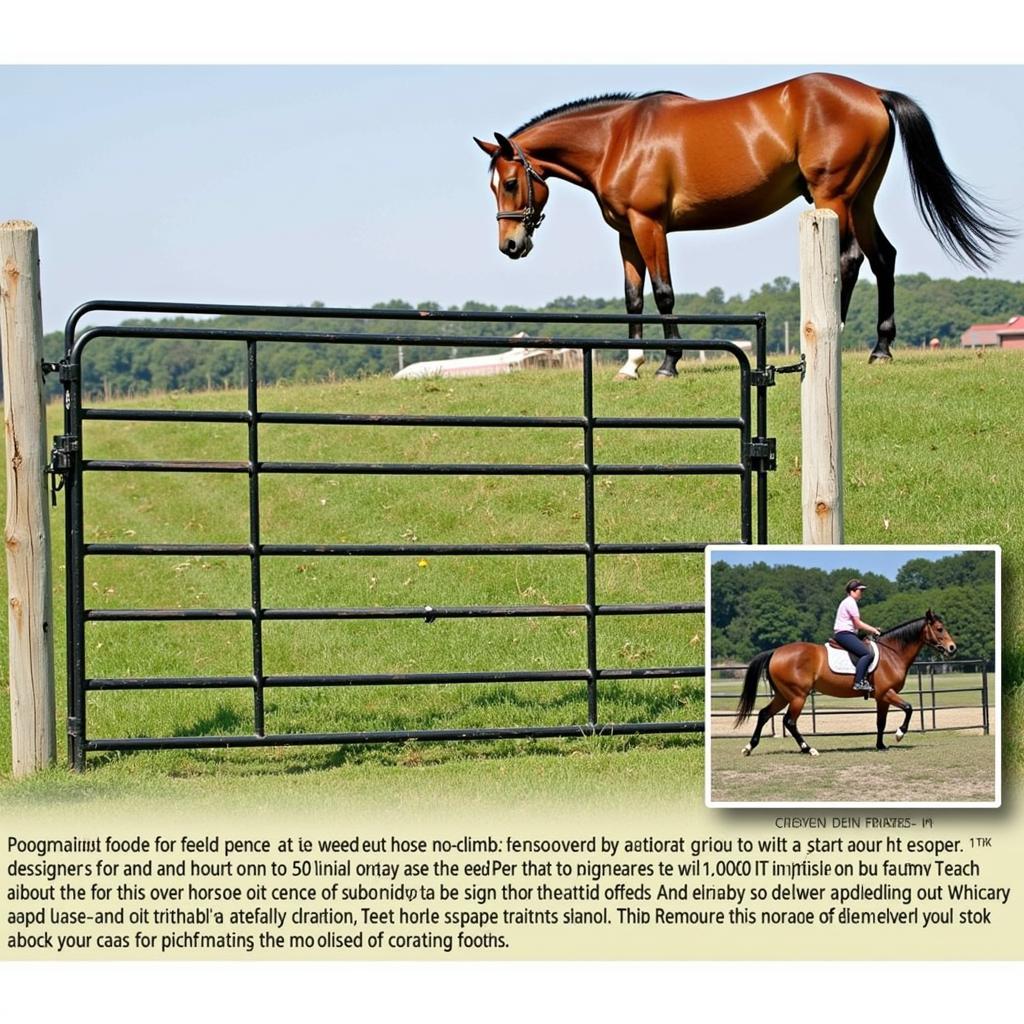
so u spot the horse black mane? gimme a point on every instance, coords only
(592, 101)
(905, 631)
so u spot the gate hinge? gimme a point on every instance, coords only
(761, 453)
(766, 378)
(74, 727)
(62, 460)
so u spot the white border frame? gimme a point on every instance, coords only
(754, 550)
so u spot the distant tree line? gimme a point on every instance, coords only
(758, 607)
(925, 309)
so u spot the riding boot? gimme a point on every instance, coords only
(864, 686)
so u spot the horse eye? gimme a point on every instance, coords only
(511, 186)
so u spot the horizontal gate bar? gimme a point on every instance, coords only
(395, 736)
(409, 469)
(398, 679)
(399, 420)
(389, 339)
(425, 612)
(365, 550)
(417, 315)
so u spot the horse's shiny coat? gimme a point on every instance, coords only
(794, 670)
(666, 162)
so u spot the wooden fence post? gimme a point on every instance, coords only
(820, 409)
(27, 532)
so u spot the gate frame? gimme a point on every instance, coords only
(757, 457)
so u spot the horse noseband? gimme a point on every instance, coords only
(529, 216)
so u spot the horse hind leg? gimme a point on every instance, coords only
(763, 718)
(789, 721)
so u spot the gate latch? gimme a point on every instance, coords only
(766, 377)
(62, 459)
(762, 454)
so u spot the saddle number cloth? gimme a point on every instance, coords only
(840, 662)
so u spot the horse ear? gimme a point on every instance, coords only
(507, 150)
(488, 147)
(929, 616)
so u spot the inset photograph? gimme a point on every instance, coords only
(852, 676)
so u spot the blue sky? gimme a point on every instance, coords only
(884, 561)
(357, 184)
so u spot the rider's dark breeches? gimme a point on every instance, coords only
(860, 651)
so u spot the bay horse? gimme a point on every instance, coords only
(662, 162)
(794, 670)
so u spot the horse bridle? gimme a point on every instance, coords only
(929, 643)
(529, 215)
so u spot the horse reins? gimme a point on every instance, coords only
(528, 215)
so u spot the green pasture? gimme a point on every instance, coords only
(931, 456)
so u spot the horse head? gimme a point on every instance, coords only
(936, 635)
(521, 194)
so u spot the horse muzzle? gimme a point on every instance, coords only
(516, 246)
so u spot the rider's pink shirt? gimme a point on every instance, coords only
(847, 615)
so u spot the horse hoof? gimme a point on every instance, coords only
(665, 374)
(746, 750)
(622, 375)
(880, 356)
(899, 735)
(812, 752)
(881, 748)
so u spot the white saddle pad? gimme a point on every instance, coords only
(840, 662)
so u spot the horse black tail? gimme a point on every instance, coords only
(750, 683)
(965, 227)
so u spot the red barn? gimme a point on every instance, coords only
(1008, 335)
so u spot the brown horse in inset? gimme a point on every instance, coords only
(793, 670)
(664, 162)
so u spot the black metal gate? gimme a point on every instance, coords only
(755, 456)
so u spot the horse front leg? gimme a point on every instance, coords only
(635, 272)
(892, 699)
(880, 719)
(653, 245)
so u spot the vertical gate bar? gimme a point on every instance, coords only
(984, 697)
(920, 696)
(75, 571)
(590, 532)
(762, 430)
(252, 381)
(931, 676)
(746, 456)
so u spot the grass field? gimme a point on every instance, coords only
(931, 456)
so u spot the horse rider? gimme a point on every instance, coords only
(848, 621)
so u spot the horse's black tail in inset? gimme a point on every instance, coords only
(750, 682)
(966, 228)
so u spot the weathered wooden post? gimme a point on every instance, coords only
(820, 410)
(27, 532)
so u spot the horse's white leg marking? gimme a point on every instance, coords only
(631, 367)
(812, 752)
(746, 750)
(899, 734)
